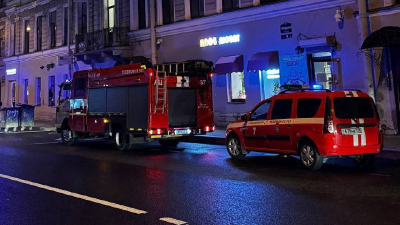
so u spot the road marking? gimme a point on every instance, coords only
(173, 221)
(377, 174)
(75, 195)
(45, 143)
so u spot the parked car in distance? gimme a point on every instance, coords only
(314, 124)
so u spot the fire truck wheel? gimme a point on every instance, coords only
(120, 141)
(169, 143)
(68, 137)
(364, 161)
(234, 147)
(309, 156)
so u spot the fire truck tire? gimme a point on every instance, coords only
(68, 136)
(169, 143)
(309, 156)
(234, 147)
(364, 161)
(121, 142)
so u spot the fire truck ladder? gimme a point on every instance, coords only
(160, 93)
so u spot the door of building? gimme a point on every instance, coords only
(325, 70)
(13, 89)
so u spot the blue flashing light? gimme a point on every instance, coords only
(317, 86)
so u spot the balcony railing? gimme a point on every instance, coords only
(97, 40)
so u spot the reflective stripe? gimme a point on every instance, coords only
(355, 93)
(355, 137)
(347, 93)
(363, 136)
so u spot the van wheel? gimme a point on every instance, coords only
(169, 143)
(68, 136)
(310, 157)
(120, 141)
(235, 148)
(364, 161)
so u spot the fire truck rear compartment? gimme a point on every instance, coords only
(182, 110)
(129, 101)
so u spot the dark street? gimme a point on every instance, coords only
(45, 182)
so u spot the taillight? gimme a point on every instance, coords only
(156, 131)
(209, 128)
(328, 125)
(328, 119)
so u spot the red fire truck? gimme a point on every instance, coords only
(138, 103)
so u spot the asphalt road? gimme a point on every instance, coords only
(44, 182)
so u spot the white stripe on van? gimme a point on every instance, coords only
(355, 137)
(363, 136)
(347, 93)
(355, 93)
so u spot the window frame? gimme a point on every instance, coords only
(234, 4)
(65, 30)
(53, 28)
(280, 113)
(26, 36)
(108, 14)
(258, 107)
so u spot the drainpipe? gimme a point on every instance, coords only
(69, 40)
(153, 31)
(364, 20)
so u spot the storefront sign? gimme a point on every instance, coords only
(12, 71)
(293, 69)
(211, 41)
(286, 31)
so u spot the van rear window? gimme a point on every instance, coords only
(348, 108)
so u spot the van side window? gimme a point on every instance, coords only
(308, 107)
(261, 112)
(282, 109)
(80, 87)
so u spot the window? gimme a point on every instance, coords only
(52, 90)
(168, 11)
(269, 83)
(65, 39)
(2, 45)
(308, 107)
(349, 108)
(2, 3)
(26, 91)
(111, 13)
(12, 39)
(236, 87)
(13, 92)
(196, 8)
(39, 32)
(66, 91)
(142, 14)
(38, 88)
(229, 5)
(53, 28)
(84, 18)
(26, 36)
(282, 109)
(261, 112)
(80, 87)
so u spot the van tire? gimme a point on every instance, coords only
(68, 136)
(120, 141)
(309, 156)
(169, 143)
(234, 147)
(364, 161)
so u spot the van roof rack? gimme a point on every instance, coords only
(358, 90)
(299, 88)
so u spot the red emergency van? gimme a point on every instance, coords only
(314, 124)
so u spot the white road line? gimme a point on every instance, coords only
(45, 143)
(75, 195)
(173, 221)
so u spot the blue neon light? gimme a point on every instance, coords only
(317, 86)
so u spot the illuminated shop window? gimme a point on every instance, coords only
(236, 90)
(269, 83)
(38, 87)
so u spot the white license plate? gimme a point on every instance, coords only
(351, 131)
(179, 132)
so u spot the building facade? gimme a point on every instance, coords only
(256, 46)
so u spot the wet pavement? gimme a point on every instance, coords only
(193, 184)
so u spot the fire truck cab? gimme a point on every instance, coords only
(138, 103)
